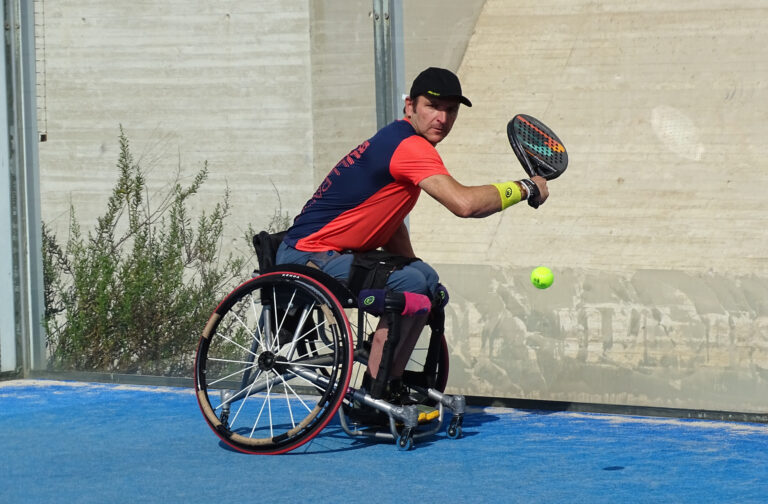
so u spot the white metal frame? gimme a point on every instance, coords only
(22, 340)
(389, 59)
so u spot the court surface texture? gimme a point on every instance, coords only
(74, 442)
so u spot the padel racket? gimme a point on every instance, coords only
(537, 147)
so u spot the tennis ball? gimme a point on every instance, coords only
(542, 277)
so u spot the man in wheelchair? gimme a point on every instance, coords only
(353, 229)
(275, 361)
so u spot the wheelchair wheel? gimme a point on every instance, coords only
(427, 368)
(274, 363)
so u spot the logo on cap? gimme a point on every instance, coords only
(438, 78)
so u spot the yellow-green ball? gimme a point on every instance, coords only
(542, 277)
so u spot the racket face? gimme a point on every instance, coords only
(537, 147)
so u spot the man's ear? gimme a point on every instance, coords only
(408, 109)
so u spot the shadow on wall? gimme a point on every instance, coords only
(652, 338)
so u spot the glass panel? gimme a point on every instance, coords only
(259, 99)
(654, 233)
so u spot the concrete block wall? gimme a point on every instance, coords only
(661, 111)
(190, 81)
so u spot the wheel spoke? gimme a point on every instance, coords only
(238, 394)
(269, 407)
(247, 396)
(288, 387)
(288, 401)
(258, 417)
(256, 315)
(315, 352)
(214, 359)
(236, 343)
(233, 374)
(275, 340)
(309, 331)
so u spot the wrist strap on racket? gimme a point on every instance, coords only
(533, 192)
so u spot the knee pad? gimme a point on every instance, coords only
(406, 304)
(441, 296)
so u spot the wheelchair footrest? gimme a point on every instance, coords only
(418, 420)
(427, 413)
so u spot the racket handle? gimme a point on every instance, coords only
(533, 192)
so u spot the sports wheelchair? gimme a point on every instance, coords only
(280, 356)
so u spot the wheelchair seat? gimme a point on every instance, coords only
(266, 246)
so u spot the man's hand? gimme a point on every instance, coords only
(536, 190)
(541, 185)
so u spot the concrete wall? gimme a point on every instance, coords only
(271, 93)
(227, 82)
(343, 78)
(655, 232)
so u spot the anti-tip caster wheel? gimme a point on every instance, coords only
(454, 428)
(405, 441)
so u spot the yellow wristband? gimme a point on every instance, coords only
(510, 194)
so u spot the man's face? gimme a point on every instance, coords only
(432, 117)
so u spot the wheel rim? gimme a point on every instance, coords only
(280, 347)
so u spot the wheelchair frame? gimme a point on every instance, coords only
(281, 345)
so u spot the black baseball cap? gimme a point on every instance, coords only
(440, 83)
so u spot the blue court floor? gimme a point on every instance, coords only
(74, 442)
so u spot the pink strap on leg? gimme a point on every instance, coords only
(415, 304)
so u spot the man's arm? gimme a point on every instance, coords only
(470, 201)
(400, 243)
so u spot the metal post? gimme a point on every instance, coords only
(389, 56)
(389, 60)
(22, 136)
(7, 295)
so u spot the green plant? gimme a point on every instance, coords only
(134, 295)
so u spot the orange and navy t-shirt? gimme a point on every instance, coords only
(366, 196)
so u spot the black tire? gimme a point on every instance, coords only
(279, 347)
